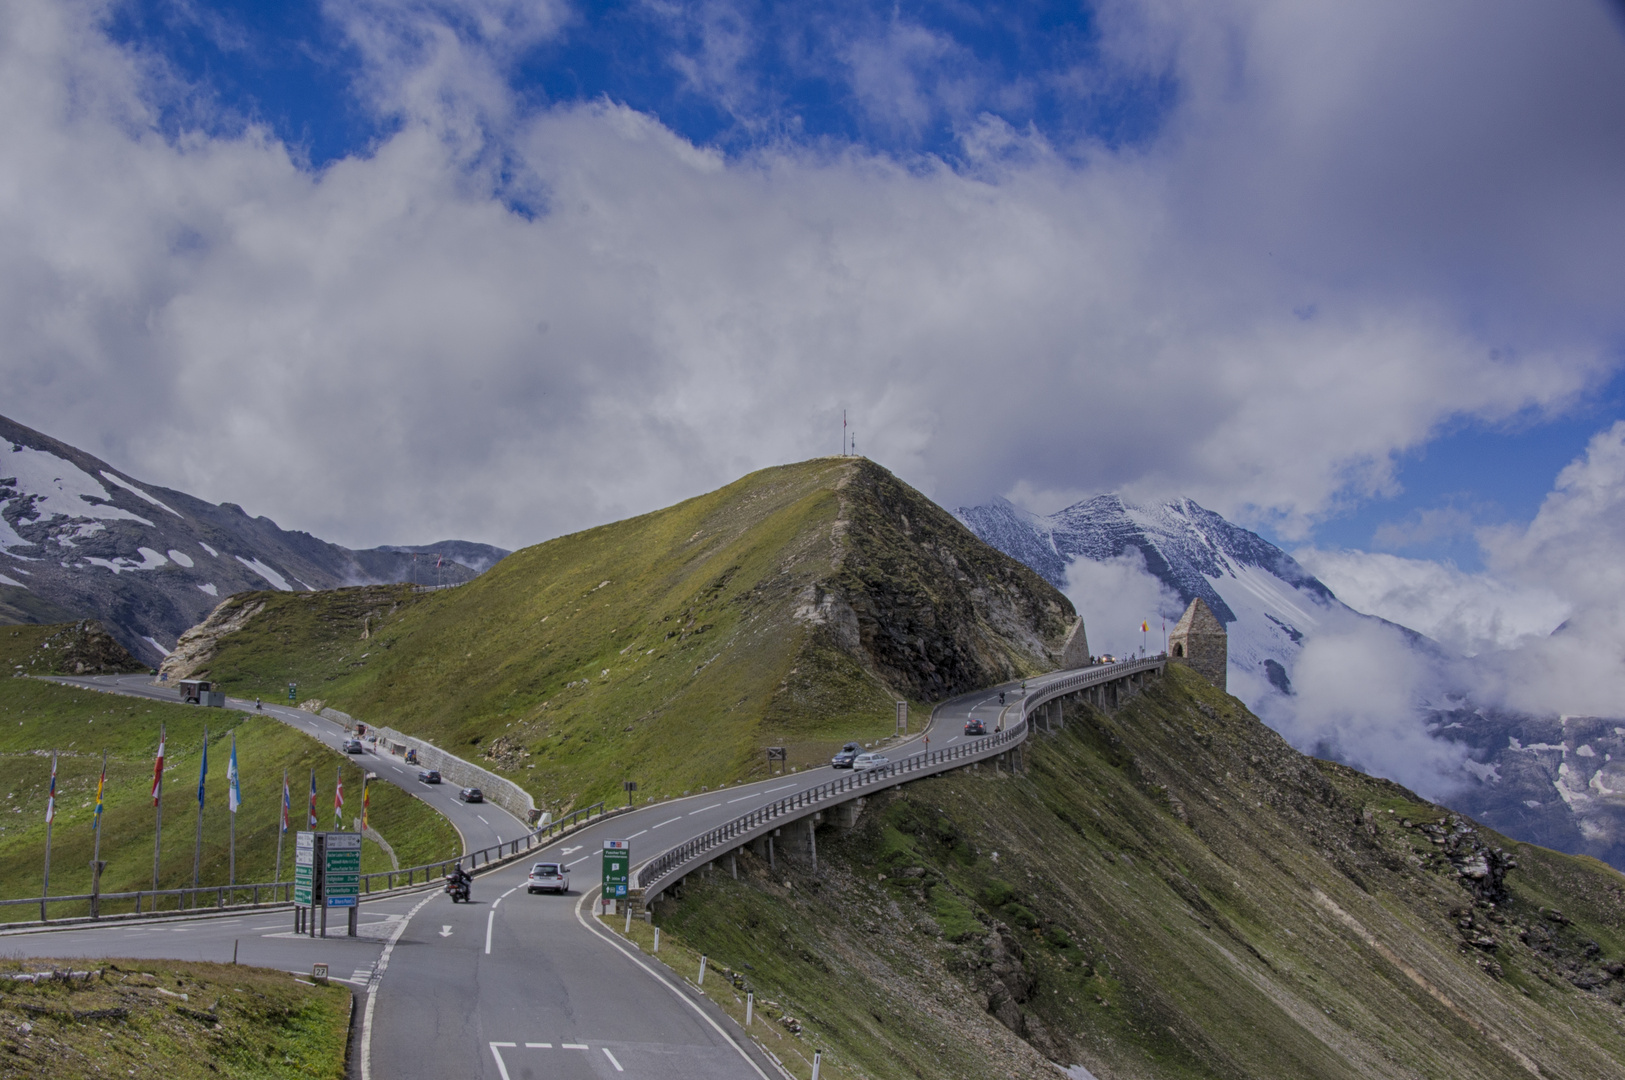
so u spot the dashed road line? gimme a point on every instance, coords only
(668, 821)
(703, 809)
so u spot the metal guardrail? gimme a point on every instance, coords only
(281, 892)
(658, 873)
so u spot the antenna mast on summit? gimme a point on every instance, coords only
(843, 432)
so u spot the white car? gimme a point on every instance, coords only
(547, 877)
(865, 762)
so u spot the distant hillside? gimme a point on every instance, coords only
(80, 539)
(1170, 892)
(792, 608)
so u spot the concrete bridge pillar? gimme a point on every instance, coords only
(845, 815)
(801, 841)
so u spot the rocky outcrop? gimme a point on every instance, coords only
(197, 646)
(926, 605)
(80, 648)
(1481, 868)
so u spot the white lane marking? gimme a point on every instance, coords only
(573, 850)
(490, 917)
(954, 739)
(496, 903)
(612, 1060)
(502, 1066)
(482, 818)
(637, 834)
(509, 893)
(572, 1046)
(781, 787)
(637, 959)
(742, 798)
(445, 931)
(703, 809)
(583, 859)
(372, 987)
(668, 821)
(538, 1046)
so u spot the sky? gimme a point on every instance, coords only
(392, 271)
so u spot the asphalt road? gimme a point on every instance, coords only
(511, 985)
(481, 825)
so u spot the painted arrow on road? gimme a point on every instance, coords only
(445, 931)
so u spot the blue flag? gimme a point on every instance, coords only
(203, 769)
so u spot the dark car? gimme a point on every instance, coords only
(353, 746)
(975, 727)
(429, 776)
(843, 757)
(471, 794)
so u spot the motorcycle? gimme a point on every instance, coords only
(457, 888)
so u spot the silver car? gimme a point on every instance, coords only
(547, 877)
(865, 762)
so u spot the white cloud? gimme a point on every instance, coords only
(1114, 596)
(1469, 613)
(1244, 311)
(1359, 688)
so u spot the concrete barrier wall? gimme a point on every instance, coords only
(452, 769)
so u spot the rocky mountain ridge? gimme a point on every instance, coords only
(79, 538)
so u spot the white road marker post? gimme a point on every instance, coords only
(750, 1007)
(628, 920)
(818, 1057)
(657, 939)
(701, 980)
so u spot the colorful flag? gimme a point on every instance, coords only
(338, 803)
(234, 791)
(101, 785)
(203, 769)
(158, 768)
(366, 802)
(50, 800)
(311, 813)
(287, 803)
(1145, 627)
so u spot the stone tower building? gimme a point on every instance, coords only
(1199, 639)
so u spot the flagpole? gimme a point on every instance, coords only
(197, 849)
(231, 798)
(338, 798)
(281, 829)
(96, 853)
(158, 807)
(50, 815)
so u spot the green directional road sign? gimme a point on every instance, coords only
(293, 691)
(617, 867)
(304, 867)
(342, 877)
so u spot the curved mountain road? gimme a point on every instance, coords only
(527, 986)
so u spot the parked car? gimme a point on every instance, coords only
(471, 794)
(353, 746)
(548, 877)
(975, 727)
(843, 757)
(865, 762)
(429, 776)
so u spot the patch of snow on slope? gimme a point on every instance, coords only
(277, 580)
(61, 488)
(150, 560)
(181, 558)
(210, 589)
(161, 650)
(4, 580)
(209, 549)
(137, 492)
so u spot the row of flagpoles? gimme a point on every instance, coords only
(234, 800)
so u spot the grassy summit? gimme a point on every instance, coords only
(791, 608)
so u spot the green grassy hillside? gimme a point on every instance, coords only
(181, 1021)
(791, 608)
(37, 716)
(1170, 891)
